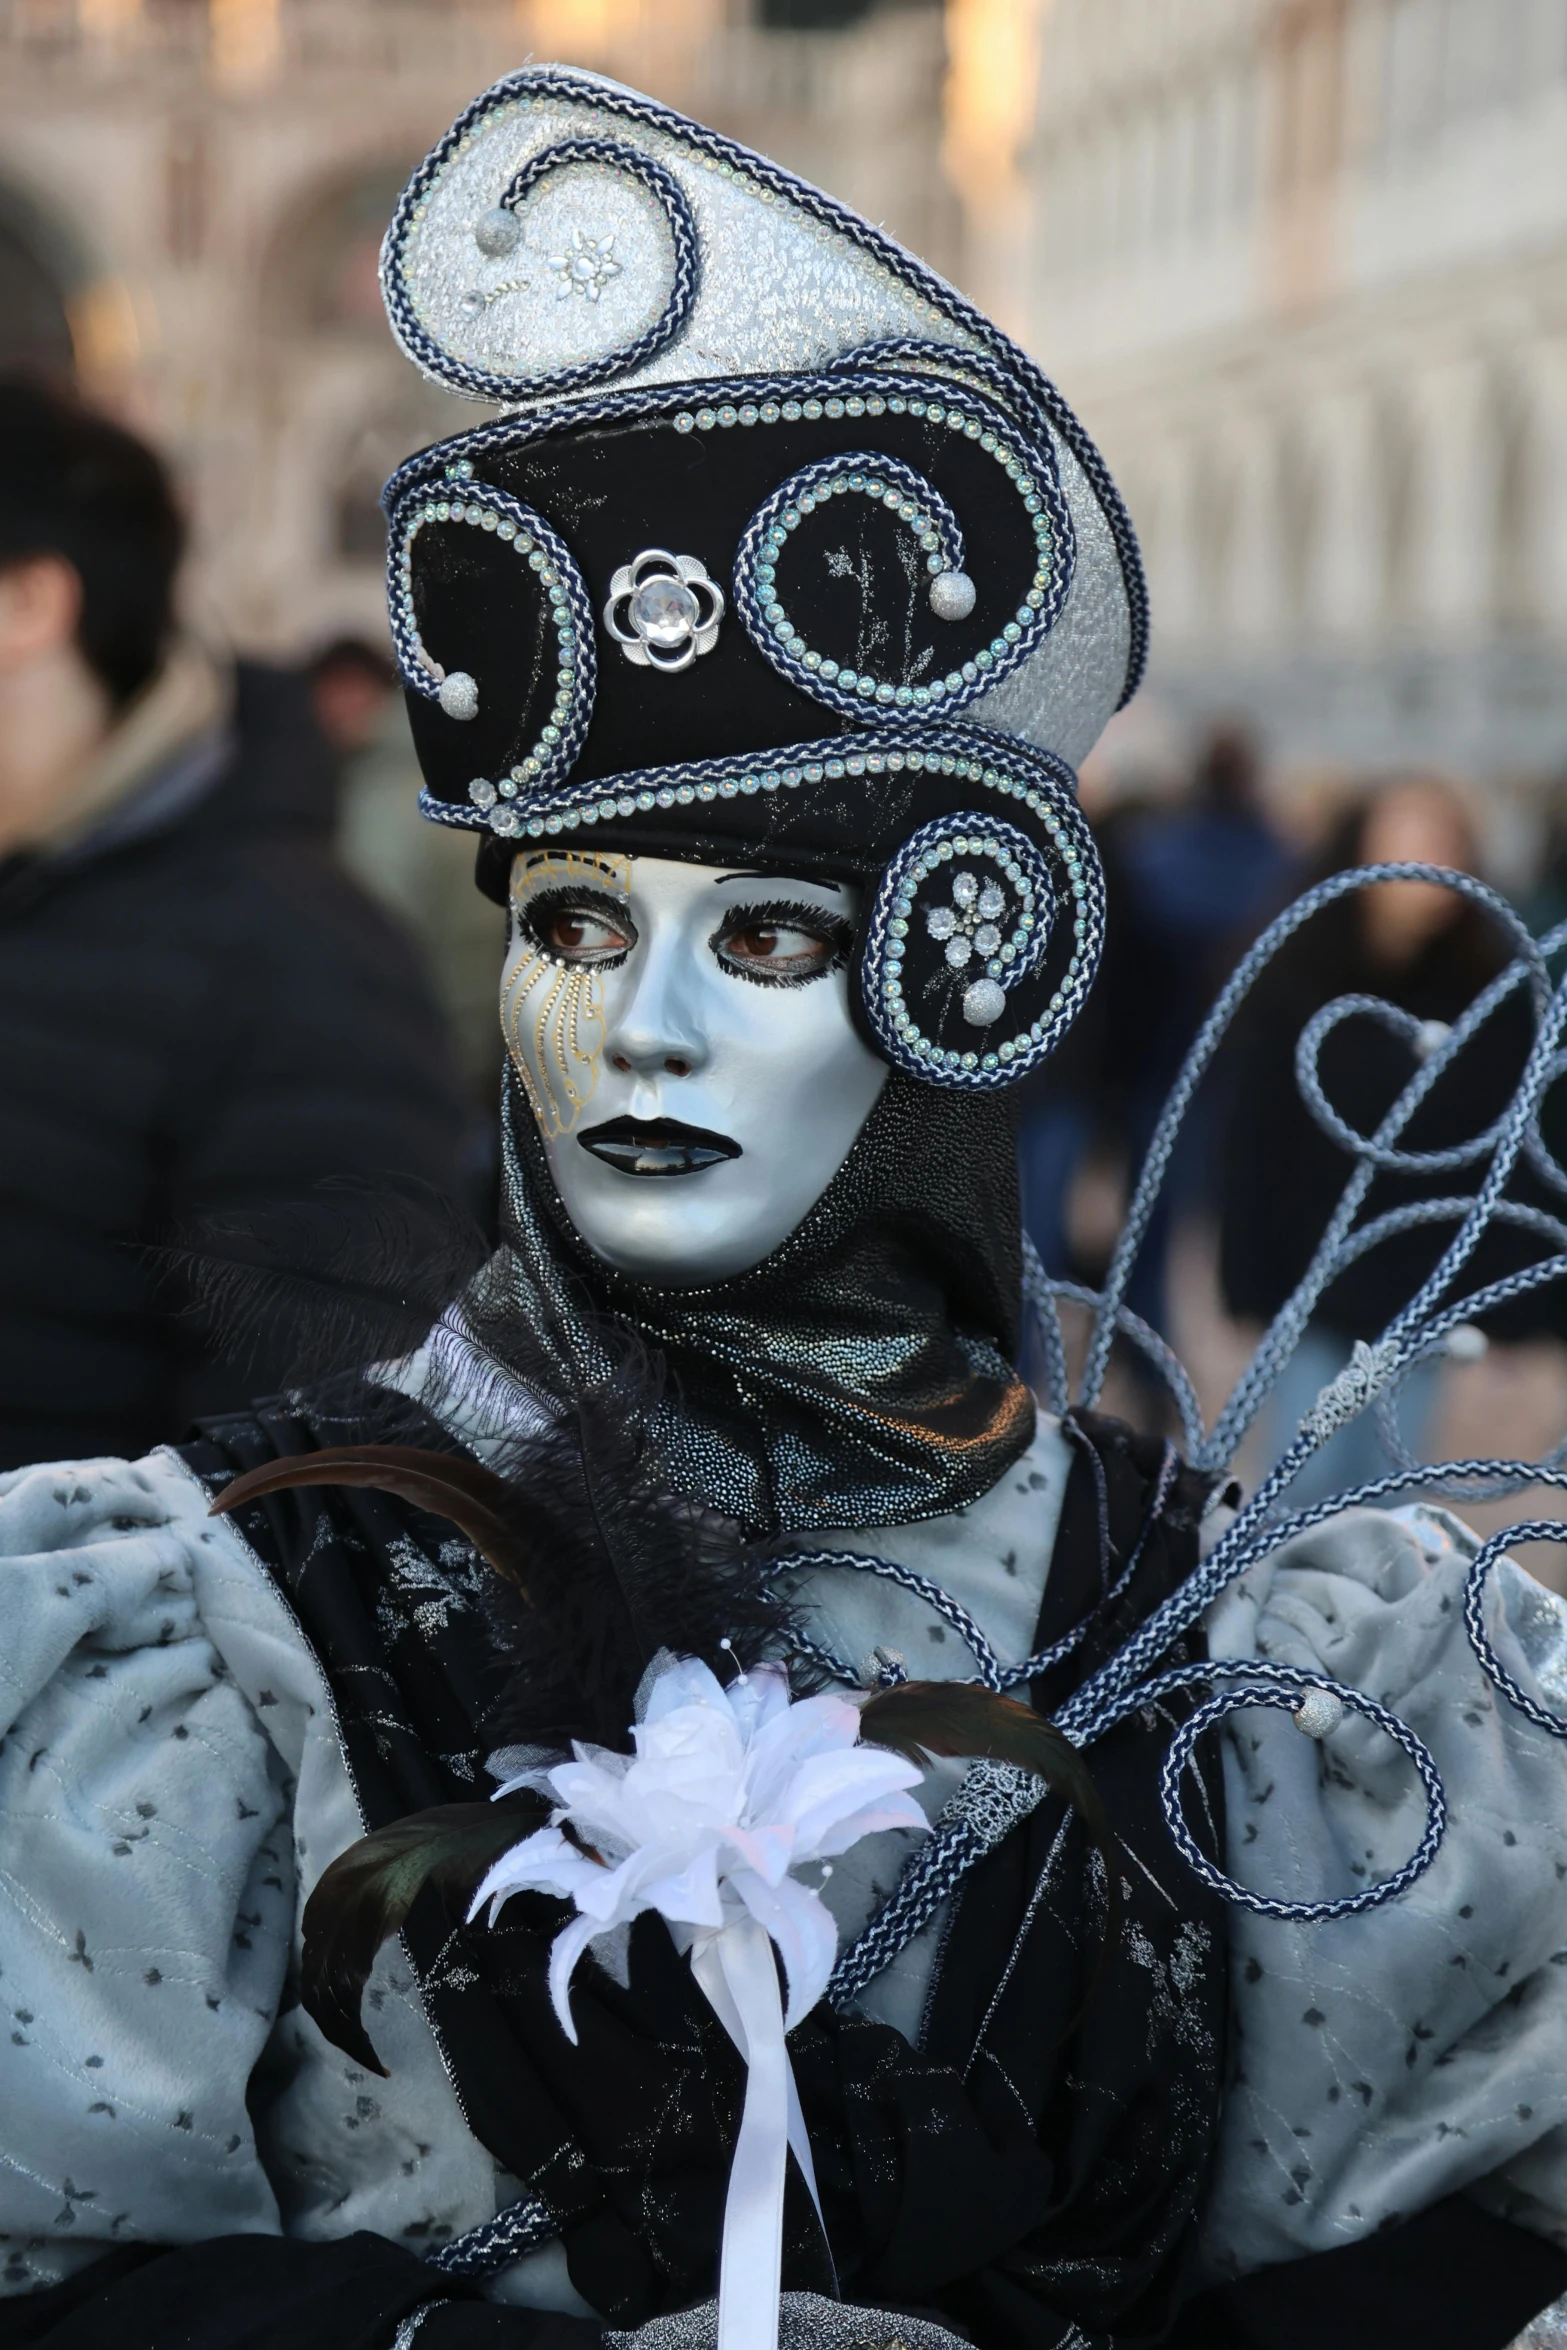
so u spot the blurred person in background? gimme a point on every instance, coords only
(1187, 883)
(198, 1011)
(421, 874)
(1428, 951)
(351, 685)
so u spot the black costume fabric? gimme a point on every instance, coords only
(861, 1376)
(270, 2293)
(1021, 2173)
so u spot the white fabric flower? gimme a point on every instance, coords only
(728, 1792)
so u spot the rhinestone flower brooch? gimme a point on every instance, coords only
(663, 610)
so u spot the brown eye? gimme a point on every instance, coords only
(579, 932)
(780, 945)
(570, 931)
(767, 942)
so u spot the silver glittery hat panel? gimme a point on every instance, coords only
(509, 294)
(1061, 697)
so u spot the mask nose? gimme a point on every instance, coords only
(635, 1060)
(657, 1032)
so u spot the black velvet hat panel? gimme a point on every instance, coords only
(853, 575)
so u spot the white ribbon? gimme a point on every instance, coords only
(737, 1973)
(729, 1792)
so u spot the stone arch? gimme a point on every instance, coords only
(409, 417)
(356, 405)
(319, 276)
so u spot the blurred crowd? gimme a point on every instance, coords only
(1194, 871)
(237, 966)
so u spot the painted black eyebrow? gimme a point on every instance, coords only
(800, 880)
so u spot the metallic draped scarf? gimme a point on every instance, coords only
(862, 1375)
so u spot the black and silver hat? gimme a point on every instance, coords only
(780, 550)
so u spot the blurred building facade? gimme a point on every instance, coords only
(192, 194)
(1303, 266)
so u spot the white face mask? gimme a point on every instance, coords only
(685, 1039)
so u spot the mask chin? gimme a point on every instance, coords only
(689, 1230)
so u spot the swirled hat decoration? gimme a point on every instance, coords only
(780, 549)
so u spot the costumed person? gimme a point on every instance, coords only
(756, 640)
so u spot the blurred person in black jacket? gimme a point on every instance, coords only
(198, 1011)
(1188, 886)
(1425, 949)
(1188, 882)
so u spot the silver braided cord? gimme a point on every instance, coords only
(1132, 1680)
(495, 2243)
(1216, 1026)
(403, 2339)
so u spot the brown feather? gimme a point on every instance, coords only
(362, 1899)
(479, 1503)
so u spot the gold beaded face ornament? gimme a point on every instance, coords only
(552, 1008)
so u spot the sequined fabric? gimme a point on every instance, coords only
(1548, 2332)
(805, 2322)
(862, 1376)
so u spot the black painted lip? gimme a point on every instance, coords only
(657, 1146)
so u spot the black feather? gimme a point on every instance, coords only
(919, 1719)
(622, 1570)
(480, 1504)
(295, 1291)
(599, 1568)
(362, 1899)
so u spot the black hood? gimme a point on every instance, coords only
(861, 1376)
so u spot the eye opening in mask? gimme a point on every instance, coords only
(830, 936)
(545, 919)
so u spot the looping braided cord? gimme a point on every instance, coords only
(1131, 1681)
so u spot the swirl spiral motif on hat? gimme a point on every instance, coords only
(478, 505)
(763, 563)
(723, 393)
(473, 333)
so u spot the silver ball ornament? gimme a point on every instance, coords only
(984, 1002)
(497, 232)
(1319, 1713)
(952, 595)
(459, 696)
